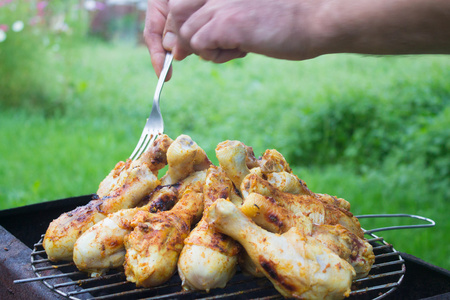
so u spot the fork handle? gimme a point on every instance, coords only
(162, 77)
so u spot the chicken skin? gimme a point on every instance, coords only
(271, 216)
(287, 182)
(234, 158)
(155, 243)
(265, 212)
(101, 247)
(238, 160)
(209, 258)
(298, 265)
(124, 187)
(319, 211)
(184, 157)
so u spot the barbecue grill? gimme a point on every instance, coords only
(26, 273)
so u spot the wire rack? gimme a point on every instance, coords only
(63, 278)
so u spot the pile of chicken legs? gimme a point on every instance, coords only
(206, 221)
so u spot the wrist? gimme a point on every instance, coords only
(334, 28)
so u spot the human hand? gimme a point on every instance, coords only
(219, 31)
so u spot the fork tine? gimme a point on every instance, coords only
(150, 143)
(149, 139)
(139, 144)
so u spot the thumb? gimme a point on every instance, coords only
(171, 42)
(169, 36)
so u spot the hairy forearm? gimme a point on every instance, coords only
(383, 27)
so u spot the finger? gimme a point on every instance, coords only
(222, 55)
(172, 43)
(157, 59)
(179, 52)
(186, 42)
(154, 27)
(216, 42)
(181, 10)
(157, 56)
(169, 35)
(184, 18)
(195, 23)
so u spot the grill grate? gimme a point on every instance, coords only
(386, 275)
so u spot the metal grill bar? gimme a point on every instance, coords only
(48, 277)
(53, 267)
(386, 255)
(375, 288)
(88, 280)
(271, 297)
(39, 261)
(126, 293)
(397, 262)
(371, 277)
(103, 287)
(240, 293)
(382, 247)
(379, 239)
(169, 296)
(131, 292)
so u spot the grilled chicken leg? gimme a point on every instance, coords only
(233, 157)
(296, 264)
(209, 258)
(317, 210)
(124, 187)
(265, 212)
(184, 157)
(155, 243)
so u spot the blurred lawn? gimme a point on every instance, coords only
(103, 94)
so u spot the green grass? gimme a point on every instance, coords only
(371, 130)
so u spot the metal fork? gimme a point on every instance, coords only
(155, 124)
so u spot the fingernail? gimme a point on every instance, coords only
(169, 41)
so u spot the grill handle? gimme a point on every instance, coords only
(430, 222)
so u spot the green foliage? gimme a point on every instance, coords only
(426, 150)
(362, 127)
(30, 58)
(22, 54)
